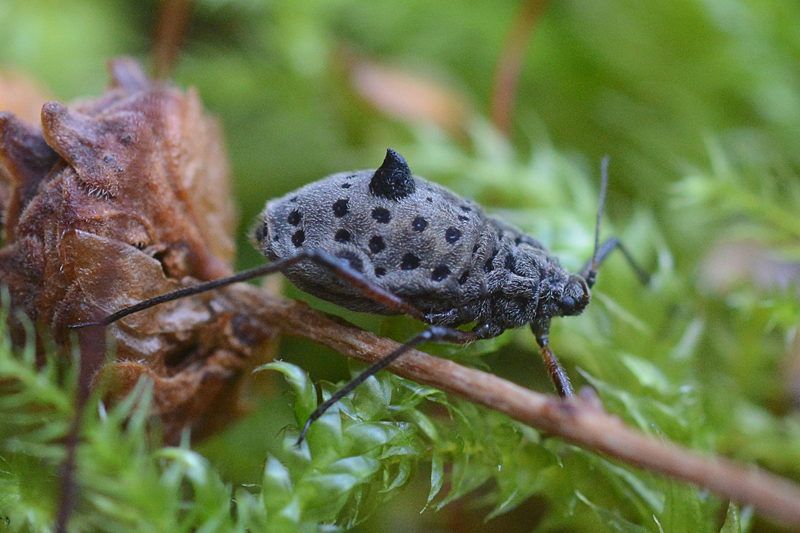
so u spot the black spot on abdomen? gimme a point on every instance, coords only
(340, 208)
(298, 238)
(383, 216)
(452, 235)
(409, 262)
(419, 224)
(342, 236)
(440, 272)
(294, 217)
(376, 244)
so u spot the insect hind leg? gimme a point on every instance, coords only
(325, 259)
(341, 269)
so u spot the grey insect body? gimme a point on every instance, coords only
(437, 251)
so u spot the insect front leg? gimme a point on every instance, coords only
(275, 266)
(557, 373)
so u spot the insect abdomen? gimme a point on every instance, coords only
(420, 244)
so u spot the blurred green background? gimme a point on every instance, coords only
(698, 104)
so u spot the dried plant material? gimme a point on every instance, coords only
(122, 198)
(509, 64)
(409, 97)
(21, 95)
(172, 25)
(733, 263)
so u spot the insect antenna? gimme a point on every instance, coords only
(590, 273)
(601, 251)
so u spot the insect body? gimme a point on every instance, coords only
(384, 241)
(417, 240)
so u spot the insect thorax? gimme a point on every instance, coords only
(438, 251)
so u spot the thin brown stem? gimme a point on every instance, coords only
(579, 419)
(172, 23)
(92, 342)
(509, 64)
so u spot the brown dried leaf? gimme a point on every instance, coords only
(118, 199)
(409, 96)
(729, 264)
(21, 95)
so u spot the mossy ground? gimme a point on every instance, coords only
(698, 104)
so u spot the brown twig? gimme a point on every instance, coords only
(509, 64)
(93, 351)
(172, 23)
(580, 420)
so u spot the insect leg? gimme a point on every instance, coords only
(554, 368)
(432, 334)
(342, 270)
(590, 270)
(318, 256)
(194, 289)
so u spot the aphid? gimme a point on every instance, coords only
(384, 241)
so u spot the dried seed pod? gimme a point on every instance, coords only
(23, 97)
(117, 199)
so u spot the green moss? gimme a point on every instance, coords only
(698, 105)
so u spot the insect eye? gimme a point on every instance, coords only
(575, 296)
(261, 232)
(568, 305)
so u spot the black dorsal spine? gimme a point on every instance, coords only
(393, 180)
